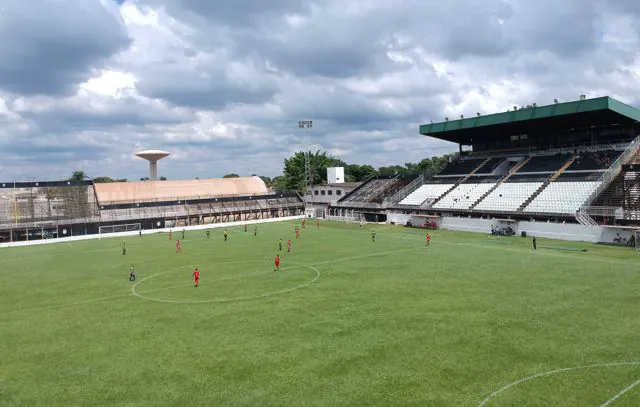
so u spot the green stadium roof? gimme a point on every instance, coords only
(588, 112)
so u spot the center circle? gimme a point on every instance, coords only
(215, 282)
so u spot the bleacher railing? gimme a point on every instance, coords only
(356, 189)
(613, 171)
(404, 192)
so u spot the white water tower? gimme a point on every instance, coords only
(153, 156)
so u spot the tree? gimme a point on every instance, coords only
(78, 175)
(294, 169)
(267, 181)
(293, 177)
(358, 173)
(232, 175)
(103, 180)
(279, 183)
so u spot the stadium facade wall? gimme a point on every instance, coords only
(611, 233)
(560, 231)
(147, 232)
(398, 218)
(466, 224)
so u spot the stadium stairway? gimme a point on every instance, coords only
(515, 169)
(406, 191)
(460, 181)
(363, 184)
(549, 180)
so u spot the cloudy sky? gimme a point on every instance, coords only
(222, 85)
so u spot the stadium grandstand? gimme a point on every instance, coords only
(575, 163)
(47, 210)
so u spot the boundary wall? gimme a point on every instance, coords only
(148, 231)
(559, 231)
(551, 230)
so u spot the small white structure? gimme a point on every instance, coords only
(335, 175)
(152, 156)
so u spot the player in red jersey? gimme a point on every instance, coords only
(178, 247)
(318, 223)
(277, 263)
(303, 223)
(297, 232)
(289, 246)
(427, 240)
(196, 277)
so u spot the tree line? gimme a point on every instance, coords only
(293, 174)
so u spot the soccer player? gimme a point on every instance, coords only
(280, 245)
(277, 263)
(245, 228)
(196, 277)
(208, 234)
(226, 235)
(169, 234)
(124, 248)
(318, 223)
(140, 232)
(427, 240)
(182, 234)
(132, 274)
(373, 236)
(303, 223)
(535, 244)
(178, 247)
(255, 231)
(297, 232)
(289, 246)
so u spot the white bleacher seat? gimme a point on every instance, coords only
(562, 197)
(424, 193)
(463, 196)
(508, 196)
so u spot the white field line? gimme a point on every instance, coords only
(226, 300)
(552, 372)
(622, 392)
(88, 301)
(522, 250)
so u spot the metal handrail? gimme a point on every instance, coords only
(613, 171)
(404, 192)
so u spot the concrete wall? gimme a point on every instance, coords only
(561, 231)
(398, 218)
(148, 232)
(467, 224)
(609, 233)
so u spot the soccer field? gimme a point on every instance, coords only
(471, 320)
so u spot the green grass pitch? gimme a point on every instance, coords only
(347, 322)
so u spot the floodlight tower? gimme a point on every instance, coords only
(153, 156)
(308, 196)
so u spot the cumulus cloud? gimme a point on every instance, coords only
(49, 47)
(84, 83)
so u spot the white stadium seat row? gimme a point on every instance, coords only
(424, 193)
(508, 196)
(562, 197)
(463, 196)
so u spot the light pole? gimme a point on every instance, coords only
(308, 196)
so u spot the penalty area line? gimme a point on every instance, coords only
(622, 393)
(556, 371)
